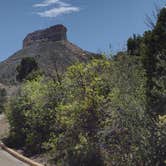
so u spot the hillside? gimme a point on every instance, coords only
(50, 48)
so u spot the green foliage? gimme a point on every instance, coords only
(16, 118)
(134, 45)
(80, 113)
(154, 59)
(71, 118)
(121, 141)
(161, 141)
(31, 114)
(125, 139)
(151, 48)
(26, 66)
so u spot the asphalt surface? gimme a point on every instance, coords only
(8, 160)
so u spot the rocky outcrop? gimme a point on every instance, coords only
(54, 33)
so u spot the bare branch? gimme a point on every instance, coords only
(150, 20)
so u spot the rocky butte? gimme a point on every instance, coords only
(52, 51)
(54, 33)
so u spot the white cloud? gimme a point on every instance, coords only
(60, 3)
(46, 3)
(58, 11)
(51, 2)
(59, 8)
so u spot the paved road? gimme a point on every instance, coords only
(8, 160)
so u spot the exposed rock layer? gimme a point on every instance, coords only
(54, 33)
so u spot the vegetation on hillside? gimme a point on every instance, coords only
(107, 112)
(3, 98)
(27, 66)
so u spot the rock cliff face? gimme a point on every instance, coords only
(54, 33)
(50, 48)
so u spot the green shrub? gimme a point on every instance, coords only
(26, 66)
(96, 115)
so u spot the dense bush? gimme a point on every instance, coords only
(96, 114)
(31, 114)
(161, 144)
(151, 48)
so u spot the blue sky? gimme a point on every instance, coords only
(92, 24)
